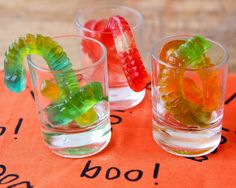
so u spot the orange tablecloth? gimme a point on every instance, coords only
(132, 159)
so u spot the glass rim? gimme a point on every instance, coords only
(157, 59)
(99, 61)
(89, 9)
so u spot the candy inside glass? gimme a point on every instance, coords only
(90, 22)
(65, 130)
(188, 103)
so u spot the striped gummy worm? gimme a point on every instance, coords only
(53, 54)
(74, 100)
(75, 106)
(188, 54)
(128, 53)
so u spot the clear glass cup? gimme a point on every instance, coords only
(188, 104)
(120, 95)
(64, 132)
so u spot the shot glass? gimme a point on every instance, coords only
(188, 103)
(120, 95)
(74, 124)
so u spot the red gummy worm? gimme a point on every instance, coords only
(128, 53)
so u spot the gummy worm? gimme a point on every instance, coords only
(85, 98)
(75, 101)
(53, 54)
(130, 59)
(189, 54)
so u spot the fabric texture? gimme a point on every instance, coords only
(132, 158)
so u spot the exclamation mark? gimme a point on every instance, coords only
(32, 94)
(155, 172)
(18, 127)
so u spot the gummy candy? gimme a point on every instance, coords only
(69, 101)
(182, 97)
(87, 118)
(50, 90)
(89, 25)
(192, 51)
(192, 92)
(60, 112)
(211, 87)
(54, 55)
(90, 47)
(130, 59)
(212, 95)
(115, 71)
(116, 35)
(100, 25)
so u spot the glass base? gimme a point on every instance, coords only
(187, 143)
(122, 98)
(79, 145)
